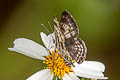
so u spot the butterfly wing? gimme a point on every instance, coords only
(60, 41)
(68, 25)
(77, 49)
(75, 46)
(66, 40)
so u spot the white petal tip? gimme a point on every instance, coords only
(105, 77)
(11, 49)
(42, 33)
(102, 78)
(18, 40)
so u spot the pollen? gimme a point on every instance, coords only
(57, 65)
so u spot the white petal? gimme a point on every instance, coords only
(44, 74)
(29, 48)
(51, 36)
(90, 69)
(48, 41)
(73, 76)
(51, 77)
(45, 39)
(52, 41)
(66, 77)
(94, 65)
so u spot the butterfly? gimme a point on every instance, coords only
(67, 42)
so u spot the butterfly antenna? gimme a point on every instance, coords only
(50, 26)
(52, 31)
(45, 28)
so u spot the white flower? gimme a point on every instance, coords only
(87, 69)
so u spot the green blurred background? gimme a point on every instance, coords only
(98, 21)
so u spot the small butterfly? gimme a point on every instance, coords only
(66, 39)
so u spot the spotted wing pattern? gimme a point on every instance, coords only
(68, 26)
(60, 41)
(66, 38)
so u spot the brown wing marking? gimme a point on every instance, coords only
(66, 39)
(60, 40)
(68, 25)
(77, 50)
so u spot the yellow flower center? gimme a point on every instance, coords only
(57, 65)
